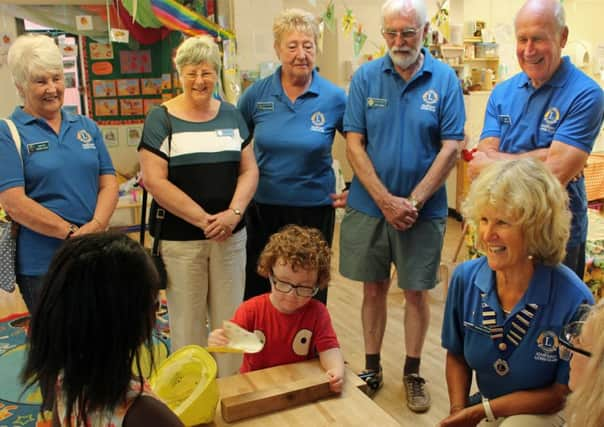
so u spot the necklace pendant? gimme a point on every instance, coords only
(501, 367)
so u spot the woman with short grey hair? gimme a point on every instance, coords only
(61, 183)
(197, 162)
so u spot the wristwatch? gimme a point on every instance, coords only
(72, 229)
(236, 211)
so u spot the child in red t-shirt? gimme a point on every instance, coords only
(294, 327)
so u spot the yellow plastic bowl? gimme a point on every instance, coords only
(186, 382)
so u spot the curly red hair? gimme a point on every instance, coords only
(301, 248)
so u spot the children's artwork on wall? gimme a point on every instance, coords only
(133, 135)
(105, 107)
(150, 103)
(166, 81)
(128, 87)
(101, 51)
(131, 107)
(103, 88)
(70, 79)
(135, 61)
(125, 83)
(151, 86)
(111, 136)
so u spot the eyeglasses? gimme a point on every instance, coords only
(407, 33)
(205, 75)
(569, 334)
(286, 288)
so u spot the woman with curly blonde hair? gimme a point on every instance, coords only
(582, 342)
(506, 309)
(292, 325)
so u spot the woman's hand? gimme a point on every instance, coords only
(221, 225)
(218, 338)
(466, 417)
(92, 226)
(339, 199)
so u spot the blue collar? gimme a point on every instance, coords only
(19, 115)
(277, 88)
(559, 79)
(538, 292)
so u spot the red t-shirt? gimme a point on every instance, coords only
(288, 338)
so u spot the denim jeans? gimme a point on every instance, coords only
(30, 288)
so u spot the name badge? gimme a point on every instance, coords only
(504, 119)
(225, 132)
(265, 106)
(377, 103)
(37, 146)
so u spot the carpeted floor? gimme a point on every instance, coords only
(21, 409)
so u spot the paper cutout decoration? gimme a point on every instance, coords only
(359, 38)
(118, 35)
(329, 17)
(83, 22)
(321, 37)
(348, 21)
(101, 51)
(177, 17)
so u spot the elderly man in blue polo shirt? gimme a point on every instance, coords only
(404, 121)
(551, 111)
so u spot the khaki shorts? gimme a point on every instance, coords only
(369, 245)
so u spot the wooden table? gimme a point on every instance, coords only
(351, 408)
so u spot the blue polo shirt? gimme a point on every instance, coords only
(293, 140)
(535, 363)
(404, 124)
(60, 172)
(568, 108)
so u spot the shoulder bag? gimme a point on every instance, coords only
(8, 232)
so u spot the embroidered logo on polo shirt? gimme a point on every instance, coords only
(430, 97)
(86, 139)
(318, 122)
(550, 119)
(548, 344)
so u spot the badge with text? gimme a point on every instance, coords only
(377, 103)
(265, 106)
(37, 146)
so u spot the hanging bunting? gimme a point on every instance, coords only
(329, 17)
(177, 17)
(359, 38)
(321, 37)
(348, 21)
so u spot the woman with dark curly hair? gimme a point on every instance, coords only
(293, 326)
(97, 286)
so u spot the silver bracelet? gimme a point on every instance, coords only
(487, 410)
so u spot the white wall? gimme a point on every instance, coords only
(10, 99)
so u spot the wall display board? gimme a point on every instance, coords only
(124, 83)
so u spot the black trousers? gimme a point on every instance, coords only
(263, 220)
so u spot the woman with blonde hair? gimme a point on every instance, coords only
(582, 343)
(294, 115)
(505, 310)
(198, 164)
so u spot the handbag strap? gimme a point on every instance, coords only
(16, 137)
(160, 212)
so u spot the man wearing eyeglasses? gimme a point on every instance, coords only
(404, 121)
